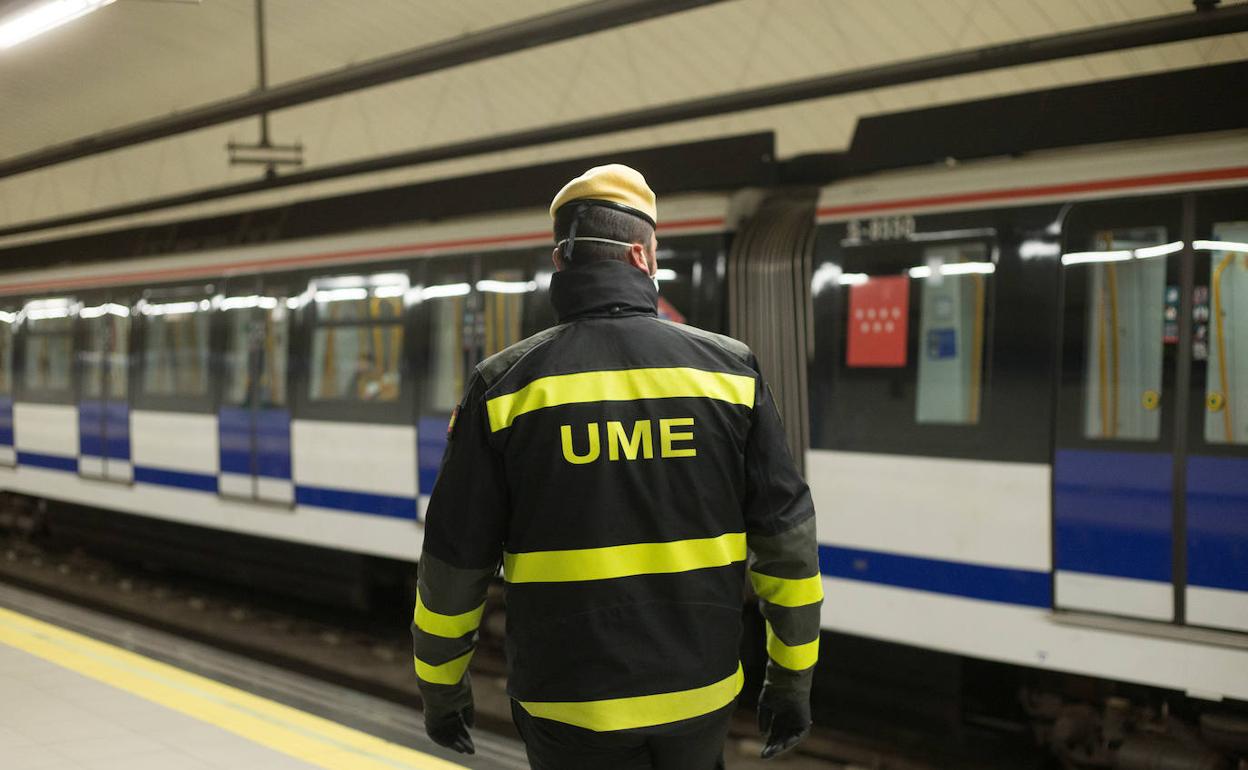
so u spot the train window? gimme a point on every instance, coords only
(1122, 380)
(446, 298)
(103, 357)
(357, 344)
(952, 297)
(1222, 313)
(175, 347)
(502, 296)
(48, 329)
(256, 345)
(936, 350)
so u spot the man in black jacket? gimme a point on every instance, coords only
(621, 468)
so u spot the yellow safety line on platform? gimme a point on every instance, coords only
(317, 741)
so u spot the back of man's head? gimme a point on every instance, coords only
(601, 222)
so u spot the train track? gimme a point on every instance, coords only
(371, 653)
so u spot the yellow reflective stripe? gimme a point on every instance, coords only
(642, 710)
(785, 592)
(619, 385)
(796, 658)
(447, 673)
(623, 560)
(449, 626)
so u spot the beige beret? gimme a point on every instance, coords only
(615, 185)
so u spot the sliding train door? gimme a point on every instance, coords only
(1117, 471)
(1216, 501)
(1150, 476)
(254, 413)
(104, 388)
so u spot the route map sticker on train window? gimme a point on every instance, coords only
(879, 317)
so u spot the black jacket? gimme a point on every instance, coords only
(619, 466)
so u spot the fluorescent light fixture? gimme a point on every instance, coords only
(6, 317)
(173, 308)
(341, 295)
(292, 303)
(42, 17)
(853, 279)
(1147, 252)
(506, 287)
(955, 268)
(1122, 255)
(1084, 257)
(1219, 246)
(665, 274)
(46, 313)
(445, 290)
(1035, 249)
(390, 290)
(108, 308)
(249, 301)
(45, 309)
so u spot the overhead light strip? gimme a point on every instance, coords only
(43, 17)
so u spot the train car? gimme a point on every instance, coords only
(1029, 410)
(295, 393)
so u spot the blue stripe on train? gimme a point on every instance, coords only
(53, 462)
(357, 502)
(975, 581)
(1217, 522)
(1112, 513)
(203, 482)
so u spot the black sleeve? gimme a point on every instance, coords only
(784, 563)
(464, 529)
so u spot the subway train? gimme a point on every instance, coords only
(1018, 385)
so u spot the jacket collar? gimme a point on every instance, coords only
(607, 288)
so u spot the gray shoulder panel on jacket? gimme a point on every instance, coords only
(735, 347)
(493, 368)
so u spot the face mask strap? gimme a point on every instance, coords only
(567, 244)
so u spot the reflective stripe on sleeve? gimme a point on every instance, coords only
(448, 626)
(642, 710)
(623, 560)
(786, 592)
(795, 658)
(619, 385)
(447, 673)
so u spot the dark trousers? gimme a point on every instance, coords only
(695, 744)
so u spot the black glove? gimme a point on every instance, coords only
(449, 713)
(783, 718)
(451, 730)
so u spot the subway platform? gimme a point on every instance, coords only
(80, 690)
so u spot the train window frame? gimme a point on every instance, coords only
(1212, 208)
(142, 399)
(1069, 393)
(304, 323)
(25, 333)
(1015, 404)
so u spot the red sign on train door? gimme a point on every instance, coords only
(879, 316)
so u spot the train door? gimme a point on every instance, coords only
(1150, 487)
(104, 388)
(472, 307)
(254, 413)
(1216, 502)
(1119, 452)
